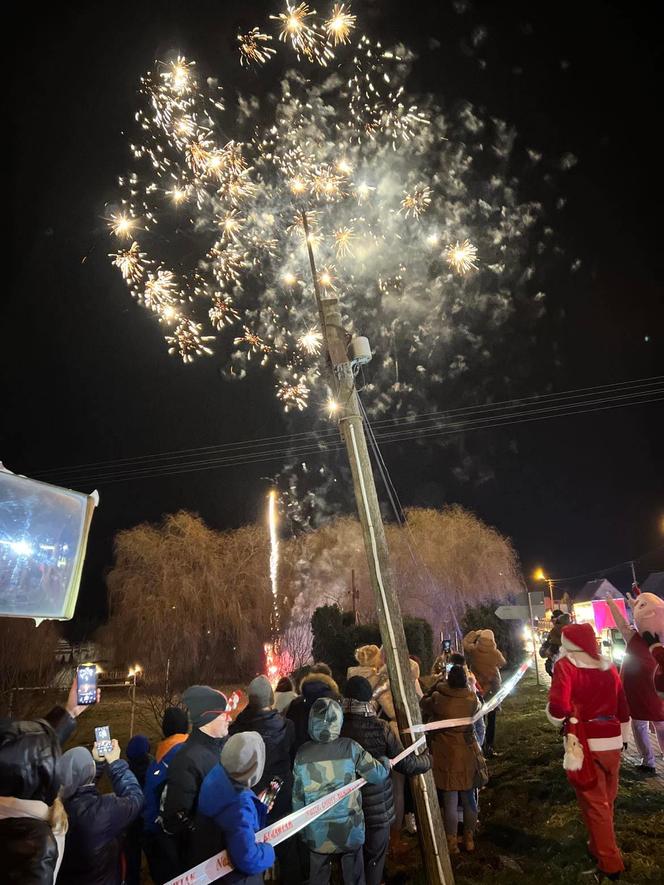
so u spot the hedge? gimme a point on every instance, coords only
(335, 638)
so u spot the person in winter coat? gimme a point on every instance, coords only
(197, 838)
(33, 822)
(278, 735)
(638, 677)
(550, 648)
(160, 848)
(458, 767)
(318, 683)
(403, 799)
(485, 660)
(96, 822)
(139, 760)
(375, 736)
(322, 765)
(228, 799)
(586, 689)
(370, 662)
(284, 693)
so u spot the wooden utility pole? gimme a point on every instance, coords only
(431, 834)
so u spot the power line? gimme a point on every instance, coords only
(396, 422)
(253, 457)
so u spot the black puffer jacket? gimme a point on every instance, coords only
(375, 735)
(313, 686)
(29, 752)
(197, 836)
(279, 738)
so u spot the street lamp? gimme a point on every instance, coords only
(540, 576)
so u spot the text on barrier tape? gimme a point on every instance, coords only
(220, 865)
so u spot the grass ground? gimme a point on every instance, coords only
(530, 828)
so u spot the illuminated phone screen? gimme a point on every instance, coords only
(86, 684)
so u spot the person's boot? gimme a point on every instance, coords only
(453, 844)
(469, 841)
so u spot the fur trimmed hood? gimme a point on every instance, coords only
(319, 677)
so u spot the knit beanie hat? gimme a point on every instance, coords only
(260, 692)
(580, 637)
(138, 746)
(76, 768)
(243, 757)
(358, 688)
(175, 721)
(204, 704)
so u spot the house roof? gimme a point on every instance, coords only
(654, 583)
(598, 589)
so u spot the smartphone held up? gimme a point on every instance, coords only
(86, 684)
(103, 740)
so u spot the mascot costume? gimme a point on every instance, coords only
(640, 671)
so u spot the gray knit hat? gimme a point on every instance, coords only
(243, 757)
(76, 769)
(260, 692)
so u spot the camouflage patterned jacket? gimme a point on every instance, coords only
(324, 764)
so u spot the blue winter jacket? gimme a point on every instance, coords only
(96, 823)
(239, 814)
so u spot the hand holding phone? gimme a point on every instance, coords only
(110, 756)
(103, 740)
(269, 795)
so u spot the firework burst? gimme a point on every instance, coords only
(211, 228)
(131, 262)
(461, 257)
(253, 47)
(340, 24)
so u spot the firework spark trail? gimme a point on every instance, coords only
(430, 260)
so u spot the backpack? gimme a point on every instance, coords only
(154, 791)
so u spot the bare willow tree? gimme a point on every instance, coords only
(27, 655)
(443, 560)
(189, 601)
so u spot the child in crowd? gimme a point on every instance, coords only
(322, 765)
(226, 797)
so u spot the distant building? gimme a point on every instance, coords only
(598, 589)
(76, 653)
(654, 583)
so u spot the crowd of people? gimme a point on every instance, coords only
(220, 775)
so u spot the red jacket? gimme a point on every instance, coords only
(591, 690)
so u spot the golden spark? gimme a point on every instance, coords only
(340, 24)
(131, 263)
(461, 257)
(253, 48)
(310, 342)
(343, 239)
(417, 201)
(122, 225)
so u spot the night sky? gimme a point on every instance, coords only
(86, 376)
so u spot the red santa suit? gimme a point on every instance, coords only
(588, 687)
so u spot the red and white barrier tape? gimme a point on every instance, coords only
(220, 865)
(495, 701)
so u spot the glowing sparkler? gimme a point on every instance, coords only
(461, 257)
(305, 38)
(253, 47)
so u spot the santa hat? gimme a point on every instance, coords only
(580, 637)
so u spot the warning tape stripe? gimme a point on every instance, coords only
(220, 865)
(495, 701)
